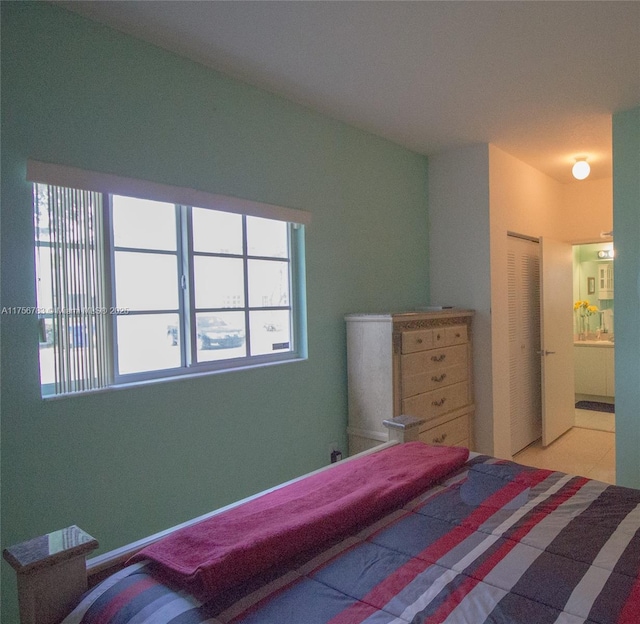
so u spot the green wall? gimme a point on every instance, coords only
(626, 235)
(125, 463)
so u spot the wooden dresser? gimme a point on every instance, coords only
(412, 363)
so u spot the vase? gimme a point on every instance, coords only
(584, 328)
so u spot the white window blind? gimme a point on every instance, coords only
(72, 300)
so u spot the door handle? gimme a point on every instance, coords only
(545, 352)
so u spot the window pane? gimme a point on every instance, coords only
(268, 283)
(146, 281)
(219, 282)
(217, 232)
(144, 343)
(270, 331)
(220, 336)
(143, 224)
(266, 237)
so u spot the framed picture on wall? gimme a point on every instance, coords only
(591, 285)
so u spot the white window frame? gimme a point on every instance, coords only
(184, 198)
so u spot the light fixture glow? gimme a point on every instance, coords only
(581, 169)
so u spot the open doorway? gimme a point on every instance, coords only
(594, 335)
(541, 398)
(585, 449)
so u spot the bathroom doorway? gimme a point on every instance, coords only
(540, 347)
(588, 448)
(594, 335)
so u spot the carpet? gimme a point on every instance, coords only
(596, 406)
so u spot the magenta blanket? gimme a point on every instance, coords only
(228, 549)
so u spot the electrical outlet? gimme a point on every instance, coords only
(335, 453)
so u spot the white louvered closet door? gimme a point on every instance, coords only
(523, 270)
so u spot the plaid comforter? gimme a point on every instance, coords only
(495, 543)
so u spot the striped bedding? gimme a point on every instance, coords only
(495, 542)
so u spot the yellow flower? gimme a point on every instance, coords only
(584, 308)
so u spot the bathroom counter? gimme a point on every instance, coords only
(594, 343)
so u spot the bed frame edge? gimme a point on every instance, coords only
(40, 605)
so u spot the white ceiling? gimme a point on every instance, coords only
(539, 80)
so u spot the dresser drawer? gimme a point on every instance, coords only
(452, 433)
(430, 405)
(456, 335)
(447, 336)
(419, 340)
(433, 360)
(440, 337)
(425, 380)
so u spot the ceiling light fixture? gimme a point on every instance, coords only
(581, 169)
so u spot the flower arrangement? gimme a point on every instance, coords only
(584, 310)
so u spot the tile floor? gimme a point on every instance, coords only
(582, 451)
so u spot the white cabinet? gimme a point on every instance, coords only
(594, 369)
(605, 281)
(417, 364)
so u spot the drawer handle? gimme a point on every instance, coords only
(439, 403)
(457, 334)
(438, 358)
(439, 379)
(440, 439)
(438, 336)
(419, 340)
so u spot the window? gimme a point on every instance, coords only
(132, 289)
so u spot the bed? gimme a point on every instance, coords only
(409, 534)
